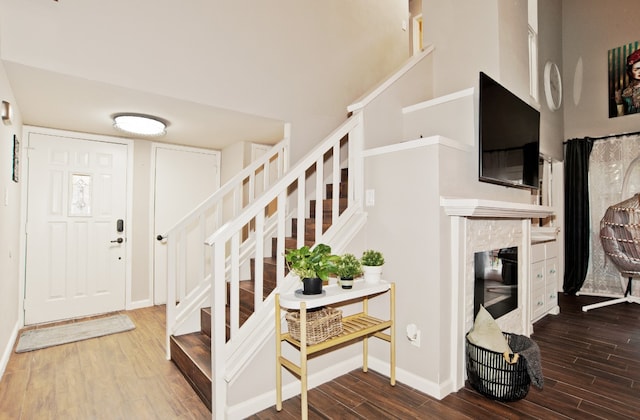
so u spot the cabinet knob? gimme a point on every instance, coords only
(540, 303)
(552, 271)
(540, 276)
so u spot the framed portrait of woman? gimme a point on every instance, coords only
(624, 79)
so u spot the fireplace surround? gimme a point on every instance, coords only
(478, 225)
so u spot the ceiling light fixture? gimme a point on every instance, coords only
(140, 124)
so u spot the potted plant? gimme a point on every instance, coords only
(312, 265)
(348, 267)
(372, 262)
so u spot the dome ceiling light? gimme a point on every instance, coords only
(143, 125)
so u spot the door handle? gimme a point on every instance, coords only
(119, 241)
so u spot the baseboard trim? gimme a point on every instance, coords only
(438, 391)
(6, 354)
(266, 400)
(139, 304)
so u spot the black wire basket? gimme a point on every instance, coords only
(491, 375)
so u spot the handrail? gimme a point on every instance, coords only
(230, 185)
(342, 146)
(210, 215)
(261, 201)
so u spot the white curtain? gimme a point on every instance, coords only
(609, 161)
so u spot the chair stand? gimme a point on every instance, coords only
(628, 298)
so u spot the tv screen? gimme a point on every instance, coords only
(509, 140)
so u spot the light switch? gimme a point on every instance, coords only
(370, 198)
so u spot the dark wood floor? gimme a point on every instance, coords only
(590, 360)
(591, 363)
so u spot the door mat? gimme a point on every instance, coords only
(53, 336)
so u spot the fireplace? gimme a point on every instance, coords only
(496, 281)
(477, 226)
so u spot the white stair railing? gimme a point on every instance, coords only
(185, 240)
(259, 229)
(341, 148)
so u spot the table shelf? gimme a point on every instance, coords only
(355, 327)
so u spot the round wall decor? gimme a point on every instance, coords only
(552, 86)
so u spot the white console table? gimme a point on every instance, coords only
(358, 326)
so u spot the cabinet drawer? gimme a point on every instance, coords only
(551, 271)
(538, 303)
(551, 249)
(551, 294)
(538, 274)
(537, 252)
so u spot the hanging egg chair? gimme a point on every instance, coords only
(620, 237)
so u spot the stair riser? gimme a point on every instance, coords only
(269, 275)
(205, 321)
(344, 190)
(289, 243)
(326, 207)
(196, 378)
(309, 228)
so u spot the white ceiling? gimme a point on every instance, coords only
(219, 71)
(54, 100)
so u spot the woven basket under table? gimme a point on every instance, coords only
(322, 324)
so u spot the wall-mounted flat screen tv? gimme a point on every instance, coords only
(509, 137)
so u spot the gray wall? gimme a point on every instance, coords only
(590, 29)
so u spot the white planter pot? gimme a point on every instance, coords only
(372, 274)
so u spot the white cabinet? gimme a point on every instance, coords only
(544, 280)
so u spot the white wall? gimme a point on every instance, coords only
(492, 36)
(10, 197)
(590, 29)
(407, 223)
(142, 234)
(550, 49)
(465, 34)
(402, 225)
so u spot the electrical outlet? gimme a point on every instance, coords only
(416, 341)
(413, 334)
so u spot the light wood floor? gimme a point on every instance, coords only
(591, 363)
(120, 376)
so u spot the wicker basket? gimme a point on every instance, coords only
(322, 324)
(491, 375)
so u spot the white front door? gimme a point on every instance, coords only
(184, 178)
(76, 228)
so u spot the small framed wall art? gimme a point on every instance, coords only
(16, 159)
